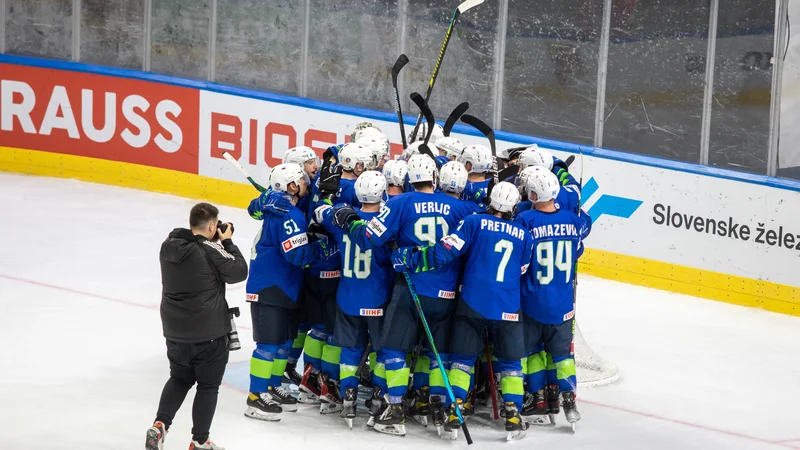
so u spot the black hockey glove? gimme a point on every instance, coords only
(329, 179)
(344, 216)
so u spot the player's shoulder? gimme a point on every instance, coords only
(297, 215)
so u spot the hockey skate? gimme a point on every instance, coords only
(208, 445)
(392, 420)
(515, 426)
(155, 437)
(553, 401)
(570, 408)
(330, 400)
(421, 408)
(290, 375)
(438, 414)
(376, 405)
(349, 406)
(309, 386)
(262, 406)
(453, 423)
(535, 410)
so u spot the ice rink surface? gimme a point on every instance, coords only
(83, 359)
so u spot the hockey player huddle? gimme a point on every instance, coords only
(492, 265)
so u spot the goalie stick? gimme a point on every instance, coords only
(425, 110)
(236, 164)
(402, 60)
(461, 9)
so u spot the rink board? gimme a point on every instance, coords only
(716, 234)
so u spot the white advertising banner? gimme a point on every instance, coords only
(705, 222)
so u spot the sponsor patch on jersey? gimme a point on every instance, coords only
(569, 315)
(251, 297)
(329, 274)
(511, 317)
(294, 242)
(452, 240)
(371, 312)
(376, 226)
(447, 294)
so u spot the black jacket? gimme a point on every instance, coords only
(193, 306)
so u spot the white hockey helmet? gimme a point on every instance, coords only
(378, 147)
(522, 180)
(300, 155)
(452, 146)
(504, 197)
(453, 177)
(395, 171)
(351, 154)
(370, 187)
(543, 183)
(438, 133)
(284, 175)
(421, 168)
(361, 128)
(535, 156)
(479, 156)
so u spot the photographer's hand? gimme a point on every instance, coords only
(227, 234)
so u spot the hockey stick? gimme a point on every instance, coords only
(492, 386)
(402, 60)
(487, 131)
(236, 164)
(438, 358)
(462, 8)
(425, 110)
(453, 117)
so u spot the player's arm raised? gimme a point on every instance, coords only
(423, 259)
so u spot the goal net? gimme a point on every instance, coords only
(591, 368)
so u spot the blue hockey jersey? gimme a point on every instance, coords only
(417, 219)
(366, 281)
(547, 290)
(495, 254)
(280, 251)
(347, 193)
(475, 191)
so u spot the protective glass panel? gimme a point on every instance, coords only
(352, 47)
(39, 28)
(112, 32)
(742, 85)
(259, 44)
(787, 129)
(550, 85)
(654, 94)
(179, 44)
(467, 70)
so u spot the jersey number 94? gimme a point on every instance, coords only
(552, 257)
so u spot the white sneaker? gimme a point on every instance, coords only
(207, 446)
(155, 437)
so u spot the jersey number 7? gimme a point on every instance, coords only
(549, 262)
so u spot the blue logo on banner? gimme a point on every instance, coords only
(608, 204)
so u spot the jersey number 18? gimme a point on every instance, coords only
(550, 261)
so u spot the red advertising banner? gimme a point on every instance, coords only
(99, 116)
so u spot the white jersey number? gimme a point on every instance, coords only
(549, 262)
(505, 247)
(425, 229)
(361, 261)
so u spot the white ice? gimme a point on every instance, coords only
(84, 362)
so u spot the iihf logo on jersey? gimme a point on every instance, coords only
(610, 205)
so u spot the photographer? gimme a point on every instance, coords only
(195, 319)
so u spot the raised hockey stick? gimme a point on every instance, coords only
(453, 117)
(425, 110)
(461, 9)
(236, 164)
(402, 60)
(438, 358)
(492, 385)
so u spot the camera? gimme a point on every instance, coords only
(233, 336)
(223, 227)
